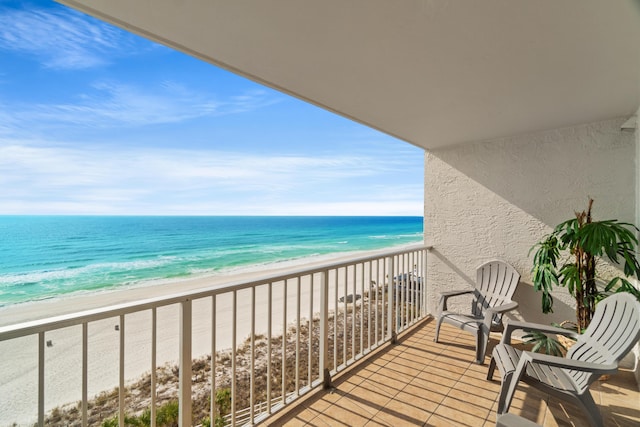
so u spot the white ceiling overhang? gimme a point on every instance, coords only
(431, 72)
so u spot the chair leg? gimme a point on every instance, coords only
(482, 339)
(442, 307)
(492, 368)
(440, 318)
(507, 390)
(588, 405)
(479, 357)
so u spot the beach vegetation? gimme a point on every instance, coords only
(56, 414)
(103, 408)
(103, 398)
(129, 421)
(166, 416)
(223, 400)
(145, 417)
(223, 409)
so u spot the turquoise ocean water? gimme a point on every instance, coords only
(50, 256)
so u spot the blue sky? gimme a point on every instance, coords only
(95, 120)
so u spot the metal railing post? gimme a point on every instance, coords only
(324, 330)
(284, 342)
(423, 275)
(40, 379)
(269, 350)
(252, 373)
(121, 389)
(392, 300)
(184, 393)
(213, 409)
(85, 373)
(234, 349)
(154, 373)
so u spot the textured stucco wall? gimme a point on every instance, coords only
(495, 199)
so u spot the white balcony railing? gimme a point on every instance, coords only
(327, 316)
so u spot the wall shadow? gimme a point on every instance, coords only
(465, 277)
(529, 301)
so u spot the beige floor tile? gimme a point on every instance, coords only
(348, 383)
(295, 422)
(623, 421)
(467, 382)
(299, 415)
(419, 382)
(439, 421)
(435, 387)
(386, 383)
(368, 370)
(410, 361)
(438, 378)
(399, 412)
(345, 411)
(424, 393)
(455, 416)
(471, 397)
(377, 423)
(453, 371)
(466, 406)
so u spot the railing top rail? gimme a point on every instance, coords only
(56, 322)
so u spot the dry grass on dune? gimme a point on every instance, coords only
(138, 393)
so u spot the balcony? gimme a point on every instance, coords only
(359, 350)
(417, 382)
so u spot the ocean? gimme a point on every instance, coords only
(45, 257)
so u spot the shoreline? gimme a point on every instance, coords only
(18, 370)
(68, 303)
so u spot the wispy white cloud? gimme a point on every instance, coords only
(112, 104)
(61, 38)
(54, 159)
(68, 179)
(374, 206)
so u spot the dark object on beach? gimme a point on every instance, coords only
(350, 298)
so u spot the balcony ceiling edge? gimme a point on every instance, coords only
(434, 73)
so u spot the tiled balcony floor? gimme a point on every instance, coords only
(420, 383)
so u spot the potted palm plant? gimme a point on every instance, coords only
(585, 243)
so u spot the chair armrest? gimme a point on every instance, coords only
(499, 309)
(456, 292)
(562, 362)
(444, 296)
(514, 325)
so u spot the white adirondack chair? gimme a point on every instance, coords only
(613, 331)
(496, 282)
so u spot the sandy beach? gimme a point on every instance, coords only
(63, 359)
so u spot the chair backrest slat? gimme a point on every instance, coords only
(613, 331)
(496, 283)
